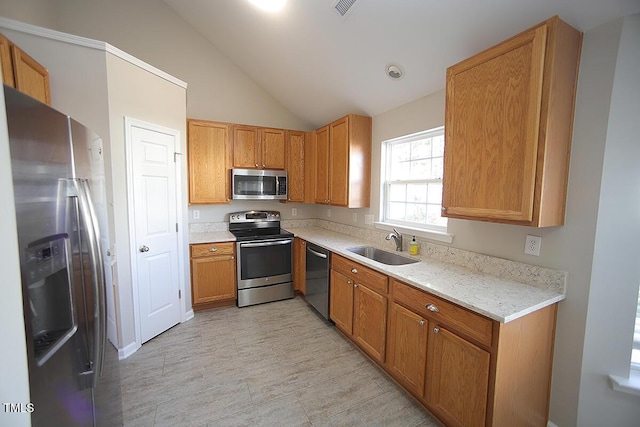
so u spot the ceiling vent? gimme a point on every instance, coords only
(343, 6)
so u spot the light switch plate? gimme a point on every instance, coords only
(532, 245)
(328, 213)
(294, 211)
(355, 217)
(196, 214)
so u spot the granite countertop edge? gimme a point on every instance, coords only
(493, 297)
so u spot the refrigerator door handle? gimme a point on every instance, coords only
(89, 217)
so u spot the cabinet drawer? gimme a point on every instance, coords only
(464, 321)
(212, 249)
(360, 274)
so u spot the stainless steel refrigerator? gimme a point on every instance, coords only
(56, 164)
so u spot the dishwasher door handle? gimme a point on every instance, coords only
(316, 253)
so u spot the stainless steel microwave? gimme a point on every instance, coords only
(255, 184)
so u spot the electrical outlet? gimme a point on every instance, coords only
(532, 245)
(328, 213)
(355, 217)
(368, 219)
(196, 214)
(294, 211)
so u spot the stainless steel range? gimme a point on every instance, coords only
(265, 257)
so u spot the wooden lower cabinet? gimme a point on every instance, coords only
(341, 302)
(213, 275)
(407, 348)
(458, 378)
(370, 321)
(469, 370)
(299, 265)
(358, 305)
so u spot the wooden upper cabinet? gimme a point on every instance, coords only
(296, 144)
(508, 126)
(7, 61)
(343, 162)
(22, 72)
(246, 147)
(258, 148)
(272, 148)
(321, 150)
(209, 157)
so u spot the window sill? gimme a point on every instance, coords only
(630, 385)
(438, 236)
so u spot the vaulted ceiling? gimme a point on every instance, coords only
(321, 65)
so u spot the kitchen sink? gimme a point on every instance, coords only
(381, 255)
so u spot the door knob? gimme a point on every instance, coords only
(144, 248)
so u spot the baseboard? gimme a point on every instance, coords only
(550, 424)
(188, 316)
(128, 350)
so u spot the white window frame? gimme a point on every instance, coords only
(429, 231)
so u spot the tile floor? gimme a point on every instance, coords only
(277, 364)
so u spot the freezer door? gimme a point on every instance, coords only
(41, 166)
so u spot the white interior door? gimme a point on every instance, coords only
(155, 229)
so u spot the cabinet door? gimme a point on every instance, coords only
(208, 155)
(213, 279)
(30, 76)
(299, 264)
(341, 302)
(339, 162)
(295, 166)
(458, 374)
(321, 145)
(246, 147)
(273, 147)
(6, 62)
(493, 103)
(370, 321)
(407, 347)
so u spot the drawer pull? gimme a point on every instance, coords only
(354, 270)
(436, 330)
(433, 308)
(349, 282)
(355, 286)
(421, 323)
(213, 250)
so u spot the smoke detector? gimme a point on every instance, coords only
(394, 72)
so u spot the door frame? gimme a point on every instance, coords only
(129, 124)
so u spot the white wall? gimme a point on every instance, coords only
(137, 94)
(570, 247)
(616, 262)
(14, 371)
(151, 31)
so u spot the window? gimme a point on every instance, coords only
(412, 186)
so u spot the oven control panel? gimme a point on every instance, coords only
(254, 216)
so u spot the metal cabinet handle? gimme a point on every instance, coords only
(436, 330)
(355, 286)
(213, 250)
(354, 270)
(433, 308)
(232, 257)
(422, 323)
(264, 166)
(349, 282)
(444, 209)
(256, 165)
(144, 248)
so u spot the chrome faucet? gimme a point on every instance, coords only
(397, 237)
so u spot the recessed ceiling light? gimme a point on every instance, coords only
(269, 5)
(394, 72)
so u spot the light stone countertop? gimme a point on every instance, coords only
(494, 297)
(210, 237)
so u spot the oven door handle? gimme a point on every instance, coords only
(270, 243)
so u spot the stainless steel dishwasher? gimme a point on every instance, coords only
(317, 281)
